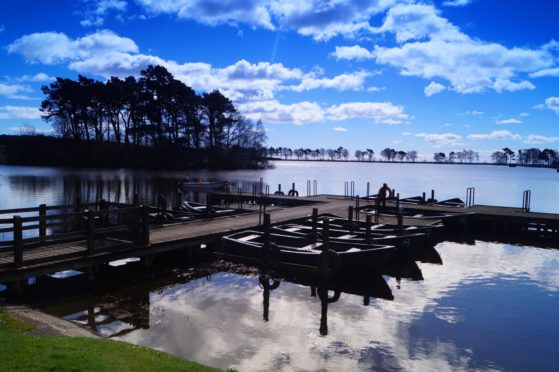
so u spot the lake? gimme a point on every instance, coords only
(480, 306)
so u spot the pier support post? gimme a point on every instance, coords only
(145, 225)
(18, 242)
(325, 254)
(432, 195)
(136, 199)
(368, 228)
(314, 222)
(266, 252)
(77, 204)
(423, 198)
(90, 231)
(42, 222)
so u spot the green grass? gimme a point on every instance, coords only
(21, 350)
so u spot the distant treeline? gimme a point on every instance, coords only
(528, 157)
(155, 116)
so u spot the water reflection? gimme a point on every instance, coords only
(490, 306)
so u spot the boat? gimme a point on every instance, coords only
(200, 185)
(405, 244)
(306, 251)
(433, 232)
(198, 209)
(454, 202)
(451, 220)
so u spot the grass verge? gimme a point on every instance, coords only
(20, 349)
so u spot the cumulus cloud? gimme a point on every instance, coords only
(95, 11)
(433, 88)
(496, 135)
(538, 140)
(339, 129)
(305, 112)
(19, 112)
(442, 139)
(431, 47)
(55, 47)
(40, 77)
(351, 52)
(349, 81)
(472, 113)
(14, 91)
(509, 121)
(554, 72)
(378, 112)
(319, 19)
(552, 103)
(375, 89)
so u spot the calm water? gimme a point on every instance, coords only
(31, 186)
(489, 306)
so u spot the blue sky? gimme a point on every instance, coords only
(429, 76)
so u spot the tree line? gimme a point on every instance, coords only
(530, 156)
(155, 111)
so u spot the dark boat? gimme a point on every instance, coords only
(199, 185)
(433, 232)
(454, 202)
(307, 252)
(404, 243)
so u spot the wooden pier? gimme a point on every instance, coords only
(45, 240)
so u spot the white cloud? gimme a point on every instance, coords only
(496, 135)
(457, 2)
(37, 78)
(407, 134)
(319, 19)
(552, 103)
(339, 129)
(349, 81)
(447, 124)
(537, 139)
(274, 111)
(442, 139)
(554, 72)
(378, 112)
(433, 88)
(54, 47)
(431, 47)
(375, 89)
(351, 52)
(509, 121)
(523, 114)
(19, 112)
(14, 91)
(95, 11)
(306, 112)
(472, 113)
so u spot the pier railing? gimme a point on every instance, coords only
(27, 238)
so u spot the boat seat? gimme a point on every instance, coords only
(353, 249)
(248, 237)
(347, 236)
(377, 226)
(310, 247)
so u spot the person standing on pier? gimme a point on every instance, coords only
(384, 193)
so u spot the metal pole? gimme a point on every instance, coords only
(18, 246)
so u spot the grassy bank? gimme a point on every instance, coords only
(21, 349)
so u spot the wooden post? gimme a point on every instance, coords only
(136, 199)
(90, 231)
(266, 251)
(179, 199)
(145, 225)
(208, 202)
(357, 208)
(77, 203)
(423, 198)
(314, 221)
(432, 195)
(368, 224)
(162, 201)
(42, 222)
(325, 254)
(18, 243)
(399, 218)
(398, 202)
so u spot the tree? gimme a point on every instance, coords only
(439, 157)
(370, 154)
(401, 155)
(218, 112)
(359, 155)
(388, 153)
(509, 154)
(499, 157)
(411, 155)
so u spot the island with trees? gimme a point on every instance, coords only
(155, 121)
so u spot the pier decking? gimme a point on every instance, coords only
(95, 246)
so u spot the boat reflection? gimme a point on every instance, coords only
(363, 284)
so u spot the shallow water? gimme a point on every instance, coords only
(488, 306)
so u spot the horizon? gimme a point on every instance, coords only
(435, 76)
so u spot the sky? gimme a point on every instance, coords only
(431, 76)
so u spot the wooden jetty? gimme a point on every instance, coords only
(45, 240)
